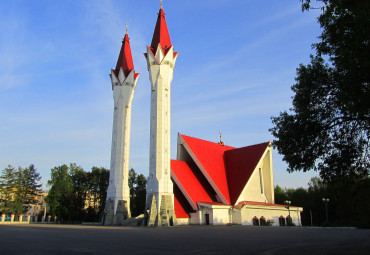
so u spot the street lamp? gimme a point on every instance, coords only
(287, 202)
(326, 201)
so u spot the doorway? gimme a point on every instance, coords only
(206, 216)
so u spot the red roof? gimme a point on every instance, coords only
(188, 178)
(182, 207)
(240, 164)
(125, 58)
(161, 35)
(211, 157)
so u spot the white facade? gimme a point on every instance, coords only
(160, 69)
(123, 92)
(274, 215)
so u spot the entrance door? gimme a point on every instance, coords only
(206, 216)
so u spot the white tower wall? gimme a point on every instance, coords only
(123, 92)
(160, 73)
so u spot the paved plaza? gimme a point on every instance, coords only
(80, 239)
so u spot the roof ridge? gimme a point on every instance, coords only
(208, 141)
(236, 148)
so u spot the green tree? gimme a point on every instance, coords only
(98, 181)
(8, 182)
(280, 195)
(137, 185)
(19, 188)
(80, 185)
(60, 193)
(28, 186)
(327, 129)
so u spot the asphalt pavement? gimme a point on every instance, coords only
(81, 239)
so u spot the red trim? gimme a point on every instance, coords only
(125, 57)
(161, 35)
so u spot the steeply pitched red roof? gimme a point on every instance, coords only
(189, 179)
(161, 34)
(240, 164)
(211, 156)
(228, 170)
(125, 58)
(182, 207)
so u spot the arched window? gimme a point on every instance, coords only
(255, 221)
(281, 221)
(289, 221)
(263, 221)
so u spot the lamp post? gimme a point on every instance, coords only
(326, 201)
(287, 202)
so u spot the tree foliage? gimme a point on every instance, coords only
(60, 193)
(98, 181)
(137, 185)
(76, 195)
(327, 129)
(19, 188)
(348, 202)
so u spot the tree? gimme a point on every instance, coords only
(137, 185)
(98, 181)
(7, 188)
(280, 195)
(28, 186)
(80, 185)
(328, 127)
(19, 188)
(60, 193)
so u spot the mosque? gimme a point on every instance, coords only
(208, 183)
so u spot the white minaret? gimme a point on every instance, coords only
(124, 81)
(161, 62)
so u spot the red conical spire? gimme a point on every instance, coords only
(125, 57)
(161, 35)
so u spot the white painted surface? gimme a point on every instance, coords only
(160, 69)
(123, 93)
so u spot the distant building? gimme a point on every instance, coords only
(30, 209)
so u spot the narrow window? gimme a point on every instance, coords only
(261, 180)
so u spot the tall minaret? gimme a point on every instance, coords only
(161, 61)
(124, 81)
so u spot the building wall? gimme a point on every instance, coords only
(273, 214)
(221, 216)
(182, 221)
(253, 190)
(268, 176)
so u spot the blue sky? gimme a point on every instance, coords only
(237, 61)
